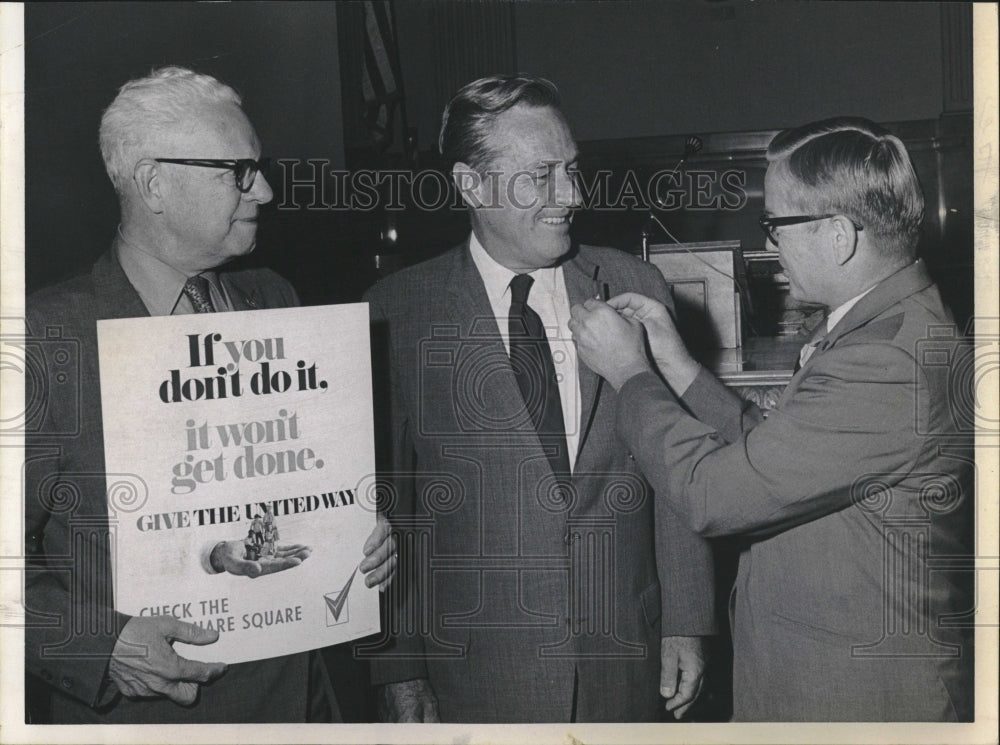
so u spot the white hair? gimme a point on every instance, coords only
(145, 108)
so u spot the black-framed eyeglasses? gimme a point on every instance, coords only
(769, 224)
(245, 169)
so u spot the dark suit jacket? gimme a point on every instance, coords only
(511, 592)
(849, 490)
(71, 627)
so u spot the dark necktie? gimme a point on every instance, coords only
(196, 288)
(536, 375)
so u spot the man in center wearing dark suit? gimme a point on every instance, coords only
(538, 585)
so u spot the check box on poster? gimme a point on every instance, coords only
(336, 604)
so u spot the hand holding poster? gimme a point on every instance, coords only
(239, 448)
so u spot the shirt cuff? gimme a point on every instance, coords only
(206, 557)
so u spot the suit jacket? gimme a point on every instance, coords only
(850, 489)
(509, 593)
(71, 627)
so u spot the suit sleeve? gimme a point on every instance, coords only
(71, 626)
(714, 404)
(402, 658)
(851, 417)
(684, 560)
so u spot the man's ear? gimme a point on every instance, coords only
(148, 184)
(844, 237)
(470, 185)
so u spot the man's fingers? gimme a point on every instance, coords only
(153, 686)
(236, 564)
(184, 693)
(242, 567)
(176, 630)
(684, 699)
(382, 574)
(378, 535)
(180, 692)
(410, 701)
(162, 672)
(249, 569)
(199, 672)
(679, 713)
(382, 554)
(688, 687)
(385, 574)
(294, 549)
(130, 689)
(685, 693)
(668, 673)
(632, 300)
(270, 566)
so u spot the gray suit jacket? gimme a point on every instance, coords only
(71, 627)
(855, 484)
(508, 593)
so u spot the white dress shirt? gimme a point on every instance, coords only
(160, 286)
(828, 325)
(549, 299)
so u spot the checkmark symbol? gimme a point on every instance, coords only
(336, 605)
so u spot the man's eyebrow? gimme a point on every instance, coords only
(549, 162)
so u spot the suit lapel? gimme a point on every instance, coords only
(114, 295)
(239, 298)
(890, 291)
(467, 307)
(902, 284)
(468, 304)
(582, 283)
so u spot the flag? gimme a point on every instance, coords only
(380, 80)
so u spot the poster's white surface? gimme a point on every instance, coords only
(207, 419)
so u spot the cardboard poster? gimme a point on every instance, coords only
(238, 447)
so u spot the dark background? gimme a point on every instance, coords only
(637, 77)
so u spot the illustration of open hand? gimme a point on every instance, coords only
(229, 556)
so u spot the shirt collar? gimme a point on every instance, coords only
(841, 310)
(160, 286)
(497, 277)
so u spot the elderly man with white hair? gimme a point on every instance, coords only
(185, 163)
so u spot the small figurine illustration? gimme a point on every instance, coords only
(252, 547)
(262, 539)
(257, 528)
(270, 533)
(257, 554)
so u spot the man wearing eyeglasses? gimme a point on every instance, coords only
(184, 160)
(857, 481)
